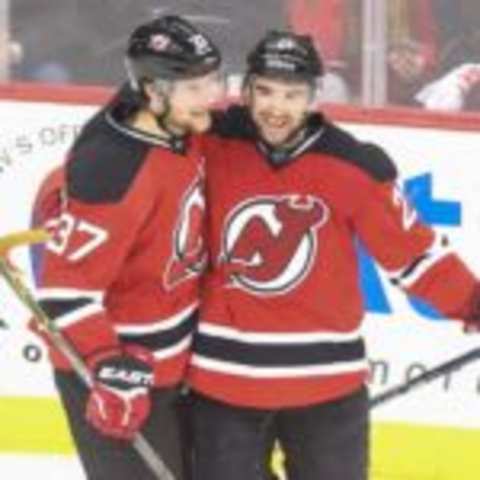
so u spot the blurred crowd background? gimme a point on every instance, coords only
(420, 53)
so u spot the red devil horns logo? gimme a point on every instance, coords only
(270, 243)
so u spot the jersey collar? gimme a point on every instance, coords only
(307, 137)
(175, 144)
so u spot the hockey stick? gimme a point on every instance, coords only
(13, 279)
(426, 377)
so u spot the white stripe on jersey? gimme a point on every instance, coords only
(158, 325)
(241, 370)
(433, 255)
(176, 349)
(230, 333)
(77, 315)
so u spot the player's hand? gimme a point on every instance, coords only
(119, 402)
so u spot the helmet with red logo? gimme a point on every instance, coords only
(169, 48)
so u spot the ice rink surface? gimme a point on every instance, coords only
(46, 467)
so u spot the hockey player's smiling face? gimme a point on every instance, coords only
(278, 107)
(191, 102)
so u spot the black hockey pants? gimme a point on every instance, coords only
(322, 442)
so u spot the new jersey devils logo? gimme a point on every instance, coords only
(189, 255)
(270, 243)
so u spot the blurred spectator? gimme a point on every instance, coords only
(326, 21)
(457, 90)
(412, 48)
(457, 83)
(336, 26)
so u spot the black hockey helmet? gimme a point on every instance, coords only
(287, 55)
(169, 48)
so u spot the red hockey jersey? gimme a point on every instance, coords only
(280, 321)
(127, 247)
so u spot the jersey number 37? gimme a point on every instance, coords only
(65, 227)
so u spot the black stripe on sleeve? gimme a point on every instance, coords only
(57, 308)
(163, 339)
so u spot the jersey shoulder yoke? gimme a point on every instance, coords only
(103, 163)
(368, 157)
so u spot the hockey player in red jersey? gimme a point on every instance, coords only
(120, 274)
(279, 351)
